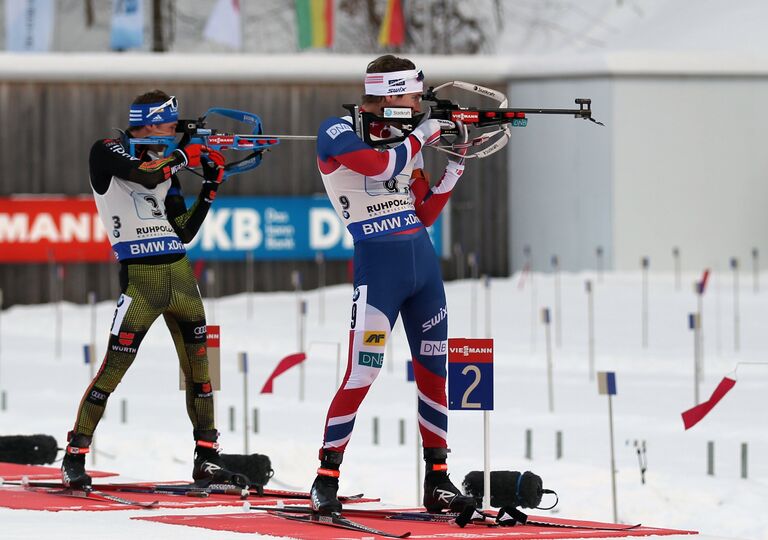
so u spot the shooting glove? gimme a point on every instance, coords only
(213, 172)
(191, 154)
(428, 132)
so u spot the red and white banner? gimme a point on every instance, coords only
(45, 229)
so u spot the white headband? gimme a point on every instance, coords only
(394, 83)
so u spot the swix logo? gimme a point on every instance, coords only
(468, 117)
(427, 326)
(375, 338)
(224, 140)
(126, 338)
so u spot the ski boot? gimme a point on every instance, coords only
(73, 473)
(208, 467)
(326, 485)
(439, 492)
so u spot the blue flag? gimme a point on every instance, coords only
(127, 24)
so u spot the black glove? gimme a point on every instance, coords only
(213, 172)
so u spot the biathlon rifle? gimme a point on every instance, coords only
(196, 132)
(460, 122)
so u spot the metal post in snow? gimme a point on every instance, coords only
(590, 329)
(693, 324)
(736, 315)
(58, 311)
(458, 255)
(534, 313)
(558, 307)
(92, 304)
(700, 289)
(243, 365)
(302, 337)
(548, 338)
(676, 257)
(645, 263)
(606, 385)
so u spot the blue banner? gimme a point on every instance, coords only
(127, 24)
(277, 228)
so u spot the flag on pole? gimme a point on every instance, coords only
(127, 25)
(314, 20)
(692, 416)
(285, 364)
(223, 25)
(28, 25)
(392, 33)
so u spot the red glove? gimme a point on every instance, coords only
(191, 154)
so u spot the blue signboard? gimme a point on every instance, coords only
(277, 228)
(470, 374)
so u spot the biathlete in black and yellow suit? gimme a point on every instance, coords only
(140, 202)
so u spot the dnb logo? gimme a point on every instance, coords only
(374, 360)
(375, 338)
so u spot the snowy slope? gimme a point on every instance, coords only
(654, 387)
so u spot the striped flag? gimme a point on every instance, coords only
(392, 33)
(223, 25)
(314, 20)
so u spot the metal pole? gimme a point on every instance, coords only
(590, 329)
(558, 308)
(558, 444)
(548, 339)
(744, 460)
(92, 303)
(528, 444)
(645, 262)
(700, 333)
(401, 432)
(243, 357)
(534, 313)
(736, 321)
(210, 289)
(613, 460)
(486, 460)
(59, 285)
(693, 324)
(375, 430)
(711, 458)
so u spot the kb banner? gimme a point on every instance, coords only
(68, 229)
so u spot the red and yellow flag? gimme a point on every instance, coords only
(315, 23)
(392, 33)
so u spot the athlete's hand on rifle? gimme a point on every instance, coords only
(428, 132)
(213, 172)
(191, 154)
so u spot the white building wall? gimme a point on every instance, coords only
(561, 192)
(691, 170)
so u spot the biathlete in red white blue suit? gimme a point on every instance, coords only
(385, 200)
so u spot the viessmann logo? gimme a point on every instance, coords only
(466, 350)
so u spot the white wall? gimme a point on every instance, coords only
(691, 169)
(560, 174)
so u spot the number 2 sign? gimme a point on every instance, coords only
(470, 374)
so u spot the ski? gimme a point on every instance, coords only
(335, 520)
(587, 527)
(470, 517)
(95, 495)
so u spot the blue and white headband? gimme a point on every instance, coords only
(394, 83)
(147, 114)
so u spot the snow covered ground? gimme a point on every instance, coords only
(655, 385)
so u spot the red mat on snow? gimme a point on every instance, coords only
(15, 472)
(262, 523)
(18, 498)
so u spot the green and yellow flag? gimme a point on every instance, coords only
(315, 23)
